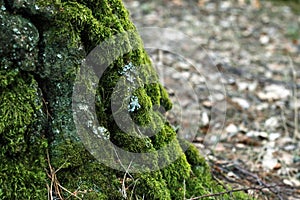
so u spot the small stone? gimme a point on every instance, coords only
(242, 86)
(241, 102)
(257, 134)
(274, 92)
(182, 66)
(263, 134)
(268, 161)
(197, 79)
(264, 39)
(181, 75)
(232, 175)
(207, 104)
(168, 59)
(271, 123)
(199, 145)
(274, 136)
(248, 32)
(262, 106)
(290, 147)
(252, 86)
(225, 5)
(185, 75)
(240, 146)
(205, 119)
(288, 182)
(217, 97)
(231, 128)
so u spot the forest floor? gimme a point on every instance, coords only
(234, 82)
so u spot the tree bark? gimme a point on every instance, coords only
(53, 140)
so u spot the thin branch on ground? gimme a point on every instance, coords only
(258, 180)
(261, 182)
(54, 182)
(55, 186)
(124, 194)
(220, 182)
(235, 190)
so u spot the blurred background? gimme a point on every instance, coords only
(234, 87)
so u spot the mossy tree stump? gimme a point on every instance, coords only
(42, 46)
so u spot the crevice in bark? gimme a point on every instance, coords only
(8, 6)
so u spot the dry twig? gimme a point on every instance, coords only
(234, 190)
(55, 186)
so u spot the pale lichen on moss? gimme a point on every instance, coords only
(39, 62)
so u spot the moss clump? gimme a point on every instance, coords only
(22, 154)
(40, 61)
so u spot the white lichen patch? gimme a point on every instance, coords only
(83, 107)
(133, 104)
(101, 132)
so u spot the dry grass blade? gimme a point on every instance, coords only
(55, 186)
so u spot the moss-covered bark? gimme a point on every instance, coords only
(42, 46)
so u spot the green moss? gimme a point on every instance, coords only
(38, 69)
(103, 184)
(22, 174)
(200, 181)
(151, 186)
(153, 90)
(165, 101)
(142, 116)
